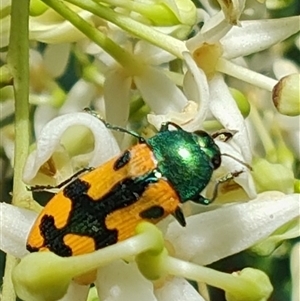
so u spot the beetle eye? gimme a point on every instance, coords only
(216, 161)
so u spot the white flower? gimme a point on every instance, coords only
(240, 225)
(194, 96)
(51, 137)
(80, 96)
(151, 81)
(211, 48)
(51, 28)
(249, 37)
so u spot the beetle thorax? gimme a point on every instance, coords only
(182, 162)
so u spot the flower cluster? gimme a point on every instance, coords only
(140, 64)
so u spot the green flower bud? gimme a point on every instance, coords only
(258, 287)
(167, 13)
(40, 277)
(37, 7)
(159, 14)
(185, 11)
(241, 101)
(150, 261)
(286, 95)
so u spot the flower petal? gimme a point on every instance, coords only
(79, 97)
(151, 54)
(43, 114)
(213, 30)
(14, 228)
(216, 234)
(224, 108)
(56, 64)
(49, 139)
(183, 118)
(283, 67)
(177, 289)
(52, 29)
(116, 94)
(257, 35)
(120, 281)
(196, 88)
(288, 231)
(160, 93)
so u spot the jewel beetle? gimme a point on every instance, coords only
(148, 181)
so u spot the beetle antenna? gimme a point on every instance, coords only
(238, 160)
(114, 127)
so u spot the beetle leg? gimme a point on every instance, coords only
(205, 201)
(179, 216)
(165, 126)
(60, 185)
(226, 178)
(224, 135)
(201, 200)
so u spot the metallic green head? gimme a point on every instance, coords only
(187, 160)
(209, 147)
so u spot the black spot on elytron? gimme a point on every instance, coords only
(49, 232)
(76, 188)
(153, 212)
(87, 216)
(122, 160)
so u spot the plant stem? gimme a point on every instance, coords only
(126, 59)
(144, 32)
(263, 134)
(18, 63)
(8, 292)
(224, 281)
(246, 75)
